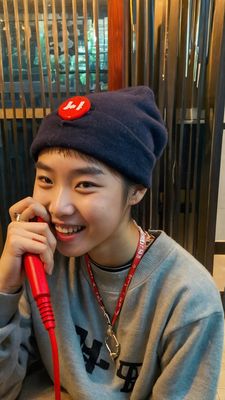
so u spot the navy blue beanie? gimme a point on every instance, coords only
(123, 129)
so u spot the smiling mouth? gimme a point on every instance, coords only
(69, 230)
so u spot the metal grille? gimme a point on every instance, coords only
(49, 50)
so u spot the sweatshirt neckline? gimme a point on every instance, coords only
(111, 281)
(111, 269)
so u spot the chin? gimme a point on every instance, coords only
(68, 252)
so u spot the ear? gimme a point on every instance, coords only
(137, 193)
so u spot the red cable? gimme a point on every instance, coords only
(39, 286)
(55, 358)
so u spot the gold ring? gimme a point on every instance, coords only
(17, 216)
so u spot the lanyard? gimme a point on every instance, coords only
(111, 341)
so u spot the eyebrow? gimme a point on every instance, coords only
(89, 170)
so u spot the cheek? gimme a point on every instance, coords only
(91, 209)
(102, 211)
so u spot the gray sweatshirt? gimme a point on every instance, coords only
(170, 330)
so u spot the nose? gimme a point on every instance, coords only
(61, 203)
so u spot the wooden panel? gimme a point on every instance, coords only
(116, 9)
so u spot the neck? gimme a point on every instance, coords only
(121, 249)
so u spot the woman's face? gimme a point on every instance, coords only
(85, 200)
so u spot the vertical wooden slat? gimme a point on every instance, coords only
(138, 40)
(116, 42)
(201, 174)
(5, 143)
(161, 101)
(162, 43)
(158, 12)
(127, 43)
(75, 34)
(85, 25)
(12, 92)
(22, 94)
(56, 49)
(171, 79)
(147, 45)
(27, 38)
(96, 33)
(42, 86)
(149, 18)
(189, 211)
(65, 47)
(195, 102)
(18, 48)
(132, 58)
(48, 63)
(2, 93)
(182, 188)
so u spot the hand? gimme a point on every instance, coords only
(25, 237)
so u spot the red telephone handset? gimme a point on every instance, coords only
(36, 276)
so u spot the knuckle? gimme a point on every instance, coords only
(32, 207)
(12, 212)
(29, 199)
(11, 209)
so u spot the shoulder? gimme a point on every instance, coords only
(181, 281)
(177, 262)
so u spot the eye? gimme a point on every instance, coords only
(86, 186)
(45, 179)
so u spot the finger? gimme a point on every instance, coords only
(33, 211)
(43, 251)
(33, 237)
(41, 228)
(39, 231)
(49, 235)
(28, 209)
(18, 244)
(19, 207)
(48, 261)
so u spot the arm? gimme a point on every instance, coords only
(16, 348)
(191, 360)
(15, 327)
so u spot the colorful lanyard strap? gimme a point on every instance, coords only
(111, 341)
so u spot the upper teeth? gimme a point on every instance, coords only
(68, 230)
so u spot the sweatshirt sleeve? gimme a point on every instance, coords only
(191, 361)
(16, 343)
